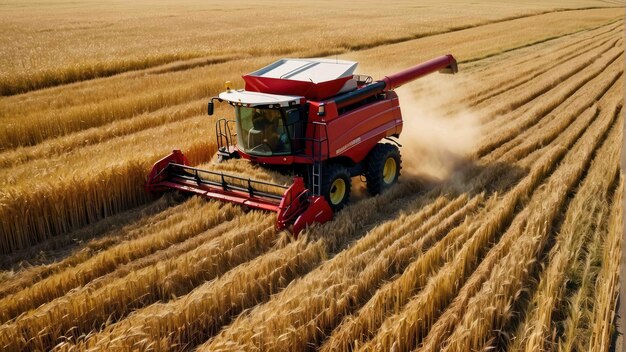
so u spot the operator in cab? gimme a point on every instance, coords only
(273, 132)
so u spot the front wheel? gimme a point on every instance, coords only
(336, 186)
(382, 168)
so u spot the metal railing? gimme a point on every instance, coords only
(224, 135)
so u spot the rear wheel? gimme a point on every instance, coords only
(336, 186)
(382, 168)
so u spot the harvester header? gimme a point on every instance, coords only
(313, 118)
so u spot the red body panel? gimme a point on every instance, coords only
(157, 174)
(318, 211)
(356, 132)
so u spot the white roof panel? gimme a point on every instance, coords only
(309, 70)
(256, 98)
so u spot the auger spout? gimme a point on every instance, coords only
(443, 64)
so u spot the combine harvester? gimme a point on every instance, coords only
(313, 118)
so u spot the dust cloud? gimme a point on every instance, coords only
(439, 133)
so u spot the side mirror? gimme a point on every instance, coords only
(210, 108)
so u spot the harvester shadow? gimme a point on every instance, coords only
(468, 177)
(472, 178)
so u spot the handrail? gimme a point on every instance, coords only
(223, 132)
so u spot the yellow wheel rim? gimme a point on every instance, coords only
(337, 191)
(389, 170)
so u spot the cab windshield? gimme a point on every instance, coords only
(262, 132)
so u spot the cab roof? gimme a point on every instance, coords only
(251, 99)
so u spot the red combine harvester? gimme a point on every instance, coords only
(312, 117)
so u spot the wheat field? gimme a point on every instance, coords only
(504, 231)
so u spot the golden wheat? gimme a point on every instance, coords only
(445, 282)
(580, 216)
(164, 234)
(166, 37)
(79, 311)
(607, 284)
(100, 236)
(210, 305)
(176, 86)
(478, 323)
(533, 115)
(467, 261)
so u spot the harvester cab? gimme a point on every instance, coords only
(311, 117)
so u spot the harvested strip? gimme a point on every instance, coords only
(391, 296)
(446, 323)
(335, 291)
(523, 94)
(608, 280)
(561, 116)
(441, 288)
(578, 317)
(541, 63)
(581, 214)
(499, 292)
(596, 64)
(191, 319)
(80, 311)
(202, 215)
(102, 235)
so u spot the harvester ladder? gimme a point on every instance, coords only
(318, 157)
(316, 179)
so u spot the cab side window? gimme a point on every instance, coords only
(295, 127)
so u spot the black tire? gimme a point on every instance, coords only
(375, 167)
(339, 173)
